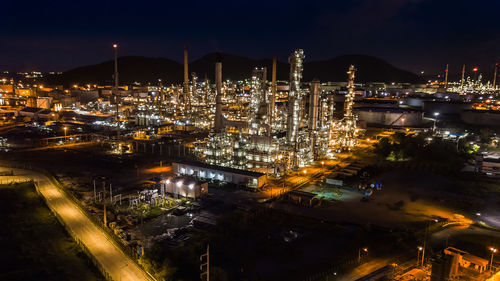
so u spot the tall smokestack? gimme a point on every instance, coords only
(463, 74)
(218, 93)
(495, 75)
(115, 89)
(446, 77)
(187, 99)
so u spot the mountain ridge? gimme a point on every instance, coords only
(234, 67)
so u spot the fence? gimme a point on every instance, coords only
(113, 237)
(84, 248)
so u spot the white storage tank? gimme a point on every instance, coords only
(395, 117)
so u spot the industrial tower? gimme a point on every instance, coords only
(344, 132)
(294, 97)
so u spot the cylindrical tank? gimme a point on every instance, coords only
(396, 117)
(481, 117)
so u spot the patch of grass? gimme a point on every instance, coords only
(34, 245)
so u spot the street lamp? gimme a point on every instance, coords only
(493, 251)
(436, 114)
(418, 254)
(359, 253)
(65, 129)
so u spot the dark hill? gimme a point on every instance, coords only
(369, 69)
(144, 69)
(236, 67)
(130, 69)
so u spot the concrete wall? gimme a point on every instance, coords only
(187, 188)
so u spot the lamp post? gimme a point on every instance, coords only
(65, 129)
(359, 253)
(436, 114)
(418, 254)
(493, 251)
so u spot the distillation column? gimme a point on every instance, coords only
(313, 113)
(194, 90)
(272, 100)
(314, 105)
(294, 97)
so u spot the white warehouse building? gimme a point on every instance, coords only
(213, 172)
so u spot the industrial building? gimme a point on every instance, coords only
(185, 186)
(466, 260)
(220, 173)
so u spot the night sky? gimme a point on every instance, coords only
(411, 34)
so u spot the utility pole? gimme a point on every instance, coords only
(205, 267)
(493, 251)
(115, 90)
(418, 255)
(463, 74)
(495, 76)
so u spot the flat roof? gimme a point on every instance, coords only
(220, 168)
(475, 259)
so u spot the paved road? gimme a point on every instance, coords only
(109, 255)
